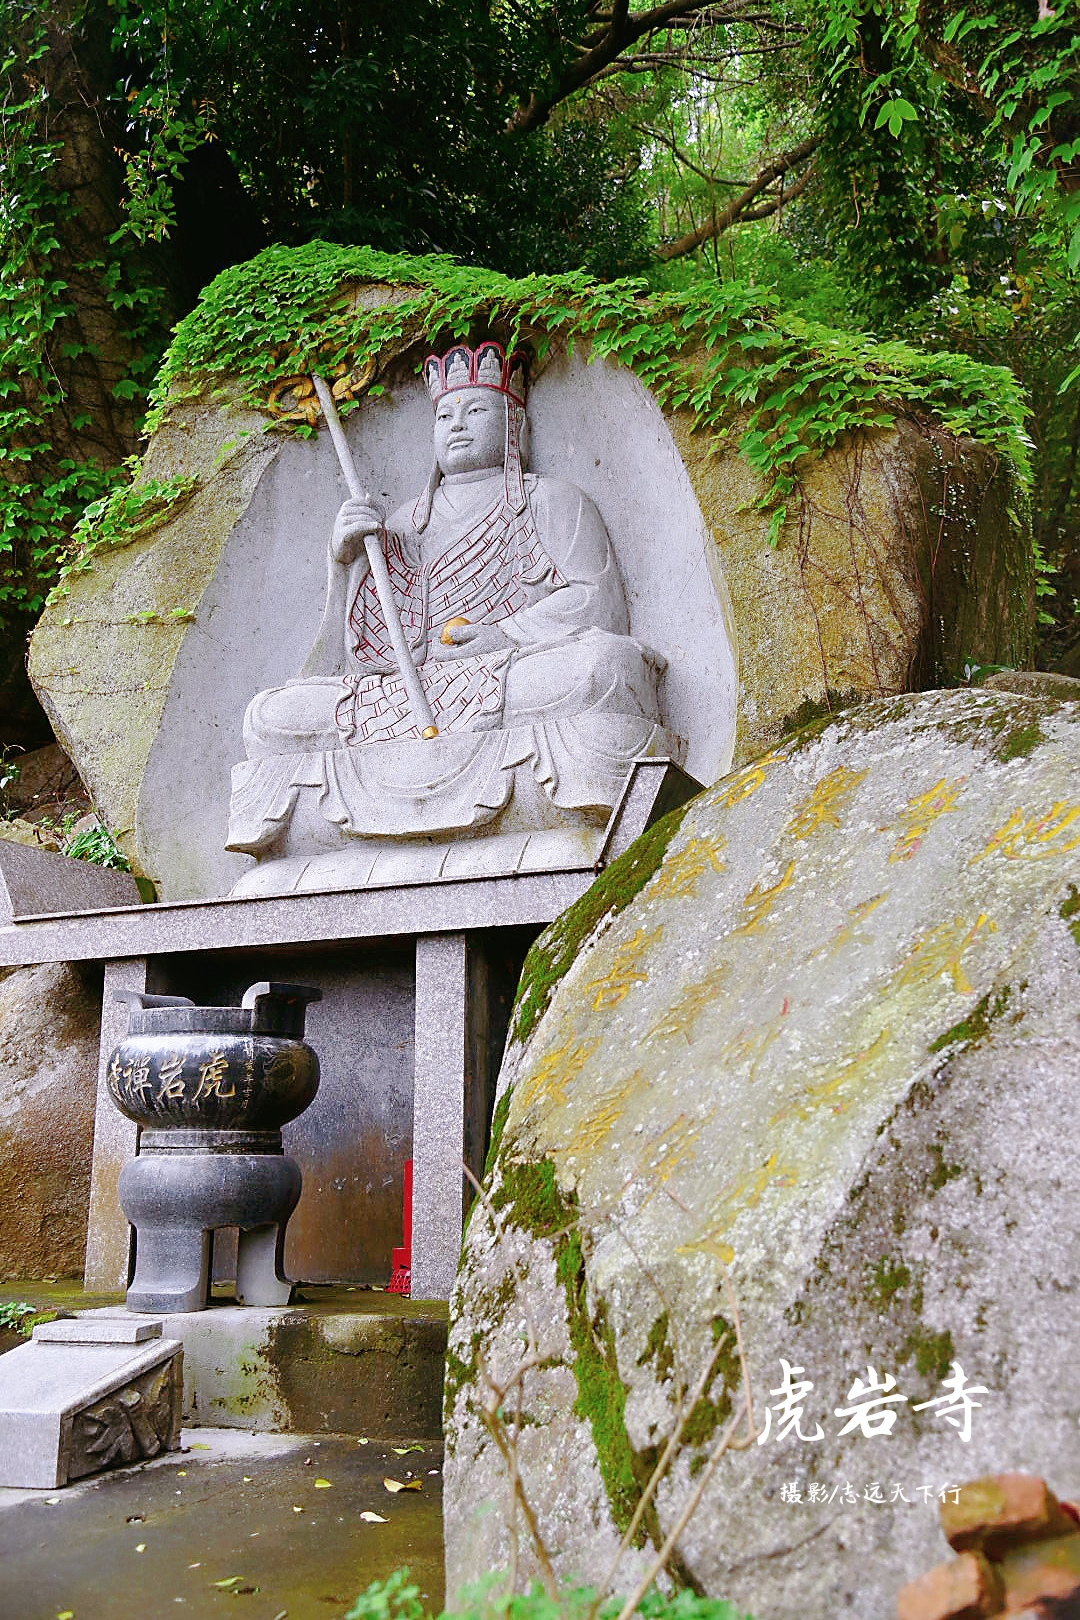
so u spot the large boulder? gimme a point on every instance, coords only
(205, 584)
(50, 1020)
(814, 1040)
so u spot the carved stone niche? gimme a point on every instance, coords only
(87, 1394)
(507, 795)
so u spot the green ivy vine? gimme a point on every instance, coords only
(788, 388)
(43, 492)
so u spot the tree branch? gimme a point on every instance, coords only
(688, 163)
(737, 208)
(624, 28)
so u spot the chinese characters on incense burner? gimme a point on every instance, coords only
(508, 589)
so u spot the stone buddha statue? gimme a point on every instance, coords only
(508, 590)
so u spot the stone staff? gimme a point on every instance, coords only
(419, 707)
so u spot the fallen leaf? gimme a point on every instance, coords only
(373, 1518)
(141, 1547)
(181, 1473)
(233, 1580)
(396, 1485)
(322, 1484)
(198, 1445)
(403, 1451)
(363, 1442)
(66, 1614)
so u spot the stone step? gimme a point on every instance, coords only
(339, 1360)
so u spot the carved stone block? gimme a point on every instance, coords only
(87, 1394)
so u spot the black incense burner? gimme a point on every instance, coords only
(210, 1088)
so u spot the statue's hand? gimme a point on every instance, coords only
(462, 639)
(355, 520)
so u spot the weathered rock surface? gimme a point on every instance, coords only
(146, 664)
(828, 1050)
(49, 1024)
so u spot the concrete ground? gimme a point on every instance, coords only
(236, 1525)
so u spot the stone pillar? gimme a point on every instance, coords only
(108, 1239)
(438, 1111)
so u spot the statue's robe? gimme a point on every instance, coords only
(571, 694)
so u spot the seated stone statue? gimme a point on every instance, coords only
(508, 590)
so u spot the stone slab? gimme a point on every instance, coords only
(37, 882)
(406, 909)
(52, 1427)
(355, 1362)
(97, 1330)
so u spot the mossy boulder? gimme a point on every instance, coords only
(903, 553)
(818, 1071)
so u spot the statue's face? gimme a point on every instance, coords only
(470, 430)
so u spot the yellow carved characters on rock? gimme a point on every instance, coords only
(745, 782)
(940, 952)
(547, 1084)
(625, 971)
(684, 1012)
(823, 806)
(838, 1091)
(743, 1193)
(1035, 838)
(678, 876)
(920, 813)
(759, 902)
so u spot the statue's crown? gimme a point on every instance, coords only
(486, 366)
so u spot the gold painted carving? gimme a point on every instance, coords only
(919, 815)
(837, 1092)
(294, 399)
(679, 874)
(759, 902)
(744, 1193)
(940, 952)
(746, 782)
(1034, 838)
(684, 1013)
(624, 972)
(826, 801)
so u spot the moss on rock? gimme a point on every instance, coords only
(552, 955)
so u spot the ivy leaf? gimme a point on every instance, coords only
(896, 113)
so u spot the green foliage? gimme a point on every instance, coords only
(1019, 75)
(397, 1598)
(789, 387)
(46, 477)
(388, 127)
(15, 1315)
(121, 517)
(97, 845)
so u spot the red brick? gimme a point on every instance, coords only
(1042, 1569)
(966, 1588)
(1002, 1511)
